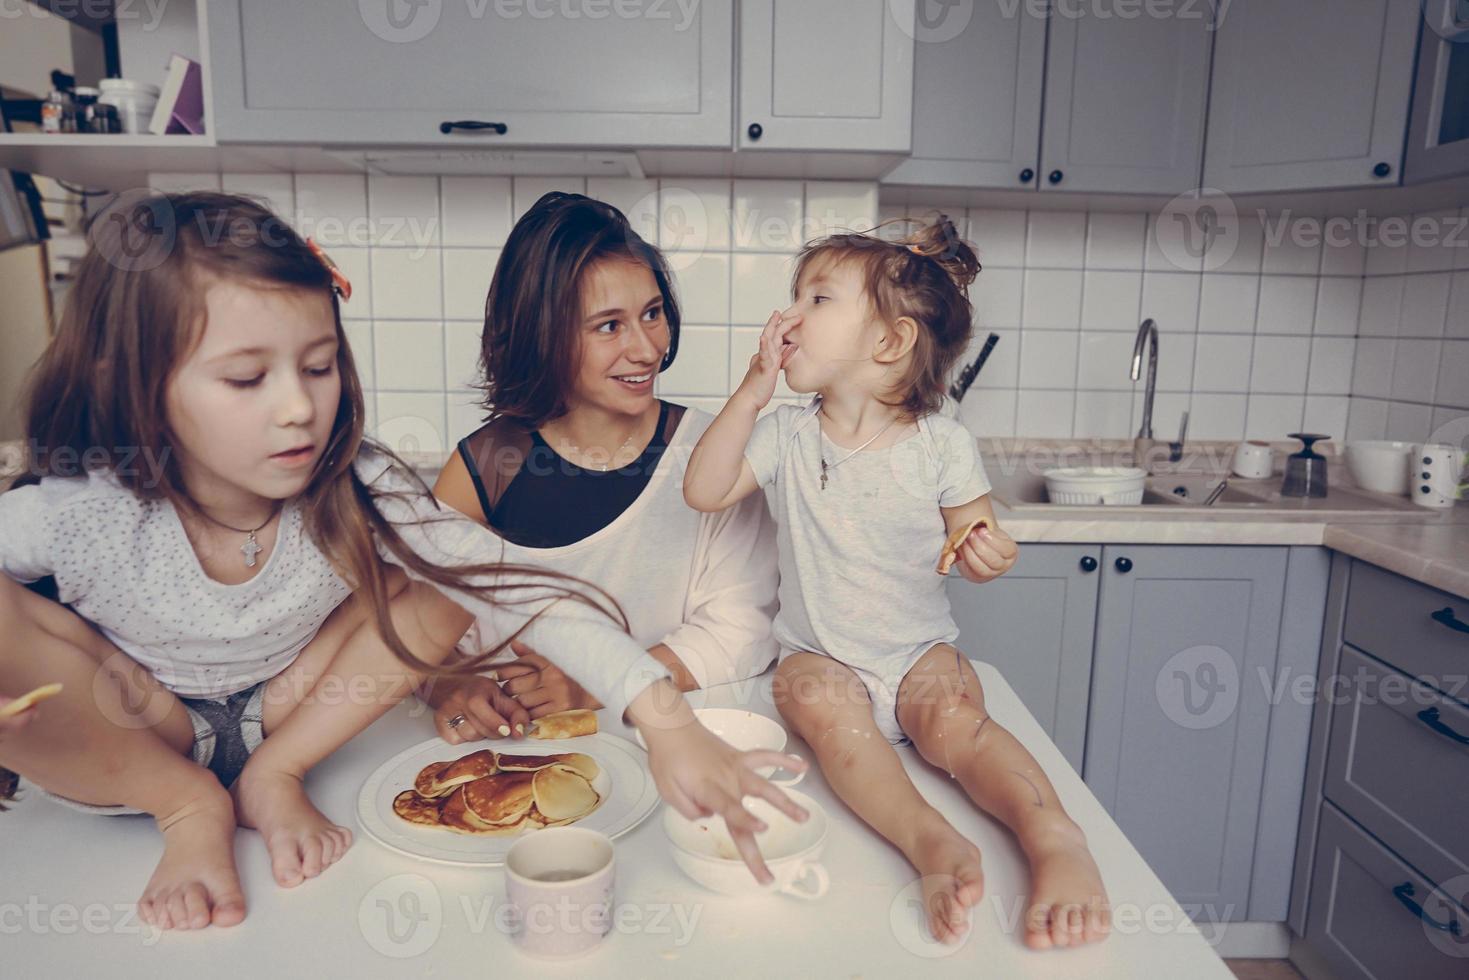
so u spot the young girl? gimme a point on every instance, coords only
(238, 561)
(865, 484)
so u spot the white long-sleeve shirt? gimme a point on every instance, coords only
(704, 585)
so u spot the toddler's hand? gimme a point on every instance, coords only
(699, 775)
(766, 363)
(987, 554)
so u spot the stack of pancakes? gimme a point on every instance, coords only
(499, 794)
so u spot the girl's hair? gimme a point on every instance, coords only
(531, 344)
(136, 311)
(923, 275)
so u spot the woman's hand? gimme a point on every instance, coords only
(765, 364)
(540, 686)
(488, 711)
(987, 554)
(700, 775)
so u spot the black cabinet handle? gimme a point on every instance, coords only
(755, 131)
(1088, 564)
(1027, 175)
(1124, 565)
(1429, 717)
(1382, 170)
(1447, 617)
(1404, 894)
(473, 125)
(1055, 176)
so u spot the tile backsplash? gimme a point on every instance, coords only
(1353, 340)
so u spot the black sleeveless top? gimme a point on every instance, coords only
(534, 498)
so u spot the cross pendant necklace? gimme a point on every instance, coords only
(251, 548)
(831, 466)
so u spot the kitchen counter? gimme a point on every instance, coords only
(70, 878)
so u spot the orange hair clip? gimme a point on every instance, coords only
(340, 282)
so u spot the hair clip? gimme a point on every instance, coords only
(915, 249)
(340, 283)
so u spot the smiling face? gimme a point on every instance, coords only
(836, 337)
(623, 336)
(262, 381)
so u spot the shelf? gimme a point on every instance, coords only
(116, 161)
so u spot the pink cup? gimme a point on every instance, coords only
(559, 884)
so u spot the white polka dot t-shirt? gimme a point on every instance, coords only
(125, 564)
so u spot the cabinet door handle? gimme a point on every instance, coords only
(1088, 564)
(1123, 565)
(1404, 894)
(1447, 617)
(1429, 717)
(474, 125)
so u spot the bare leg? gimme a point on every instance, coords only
(116, 736)
(941, 707)
(357, 683)
(827, 705)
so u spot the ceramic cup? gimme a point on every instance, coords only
(1433, 474)
(747, 731)
(1254, 460)
(559, 883)
(792, 851)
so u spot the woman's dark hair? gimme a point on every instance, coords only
(531, 345)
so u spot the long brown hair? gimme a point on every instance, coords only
(924, 275)
(531, 347)
(98, 394)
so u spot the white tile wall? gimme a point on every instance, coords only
(1358, 339)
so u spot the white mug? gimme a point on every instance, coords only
(559, 884)
(1433, 473)
(1254, 460)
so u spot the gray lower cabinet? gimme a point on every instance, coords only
(1382, 865)
(1035, 624)
(1189, 736)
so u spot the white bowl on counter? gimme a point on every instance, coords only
(1380, 465)
(705, 852)
(1093, 485)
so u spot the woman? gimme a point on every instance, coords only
(580, 469)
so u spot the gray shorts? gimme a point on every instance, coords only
(226, 731)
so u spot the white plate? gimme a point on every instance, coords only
(627, 789)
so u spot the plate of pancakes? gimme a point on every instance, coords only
(457, 804)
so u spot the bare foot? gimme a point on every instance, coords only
(302, 842)
(196, 883)
(953, 878)
(1068, 903)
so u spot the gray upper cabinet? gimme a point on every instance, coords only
(1310, 94)
(1438, 136)
(826, 75)
(387, 73)
(1180, 712)
(1035, 625)
(977, 100)
(1125, 101)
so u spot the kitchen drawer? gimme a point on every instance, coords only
(1370, 912)
(1419, 630)
(1398, 763)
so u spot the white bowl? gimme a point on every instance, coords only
(706, 853)
(747, 731)
(1092, 485)
(1379, 464)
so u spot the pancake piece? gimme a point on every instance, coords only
(564, 724)
(579, 761)
(475, 765)
(416, 809)
(562, 794)
(498, 802)
(950, 554)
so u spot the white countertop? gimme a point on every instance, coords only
(69, 881)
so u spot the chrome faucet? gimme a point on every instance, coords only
(1143, 443)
